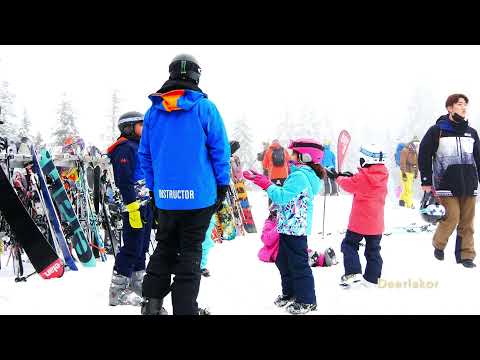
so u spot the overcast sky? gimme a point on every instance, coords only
(366, 86)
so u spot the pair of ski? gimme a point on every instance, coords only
(45, 260)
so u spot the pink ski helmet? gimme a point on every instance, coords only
(310, 149)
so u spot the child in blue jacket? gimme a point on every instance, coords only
(295, 200)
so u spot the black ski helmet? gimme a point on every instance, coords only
(127, 121)
(185, 67)
(431, 210)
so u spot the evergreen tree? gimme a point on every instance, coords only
(66, 122)
(9, 128)
(26, 125)
(112, 132)
(243, 134)
(38, 140)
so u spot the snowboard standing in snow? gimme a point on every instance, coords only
(79, 240)
(239, 182)
(42, 256)
(53, 214)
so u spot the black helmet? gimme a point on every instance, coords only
(127, 121)
(185, 67)
(431, 210)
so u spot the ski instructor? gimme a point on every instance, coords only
(185, 155)
(451, 149)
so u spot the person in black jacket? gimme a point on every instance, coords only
(449, 163)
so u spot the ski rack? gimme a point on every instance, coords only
(61, 160)
(69, 161)
(16, 160)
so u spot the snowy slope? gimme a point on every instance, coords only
(241, 284)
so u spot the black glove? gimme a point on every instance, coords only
(154, 210)
(234, 146)
(3, 143)
(221, 195)
(346, 173)
(332, 174)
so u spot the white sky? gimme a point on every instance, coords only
(356, 86)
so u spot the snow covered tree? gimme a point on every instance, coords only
(66, 122)
(38, 140)
(7, 115)
(111, 129)
(26, 125)
(243, 134)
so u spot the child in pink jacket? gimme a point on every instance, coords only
(369, 189)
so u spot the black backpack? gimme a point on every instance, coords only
(278, 156)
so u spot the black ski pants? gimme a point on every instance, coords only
(180, 234)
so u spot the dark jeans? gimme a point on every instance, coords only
(351, 260)
(180, 235)
(131, 256)
(292, 262)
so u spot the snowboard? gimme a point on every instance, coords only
(412, 228)
(42, 256)
(52, 213)
(248, 222)
(225, 223)
(59, 195)
(242, 196)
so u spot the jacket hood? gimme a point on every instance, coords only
(376, 175)
(119, 141)
(176, 100)
(445, 123)
(311, 176)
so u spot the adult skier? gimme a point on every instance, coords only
(328, 163)
(185, 155)
(409, 172)
(129, 268)
(451, 149)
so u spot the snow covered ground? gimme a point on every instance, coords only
(241, 284)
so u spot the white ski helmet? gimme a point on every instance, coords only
(431, 210)
(371, 154)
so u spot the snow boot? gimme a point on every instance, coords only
(283, 300)
(347, 281)
(300, 309)
(153, 306)
(120, 293)
(468, 263)
(439, 254)
(136, 281)
(205, 272)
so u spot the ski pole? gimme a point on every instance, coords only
(324, 205)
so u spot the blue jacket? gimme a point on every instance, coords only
(184, 150)
(295, 200)
(126, 167)
(329, 160)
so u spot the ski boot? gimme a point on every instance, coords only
(330, 258)
(347, 281)
(283, 300)
(205, 272)
(401, 203)
(300, 309)
(204, 311)
(120, 293)
(153, 306)
(136, 281)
